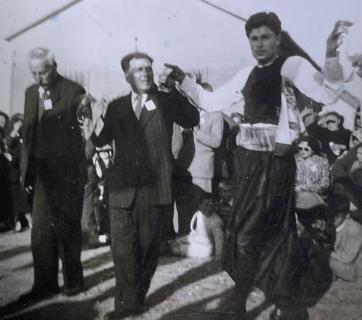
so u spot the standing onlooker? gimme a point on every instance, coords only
(53, 165)
(5, 186)
(14, 141)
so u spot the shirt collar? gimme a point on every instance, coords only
(268, 63)
(134, 95)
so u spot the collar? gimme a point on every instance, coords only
(134, 96)
(268, 63)
(41, 91)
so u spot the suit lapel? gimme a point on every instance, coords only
(55, 91)
(33, 106)
(146, 115)
(127, 116)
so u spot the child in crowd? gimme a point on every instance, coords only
(102, 161)
(206, 236)
(346, 257)
(225, 190)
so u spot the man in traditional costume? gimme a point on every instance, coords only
(261, 245)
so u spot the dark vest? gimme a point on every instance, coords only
(262, 93)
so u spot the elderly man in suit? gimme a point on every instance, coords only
(140, 180)
(52, 164)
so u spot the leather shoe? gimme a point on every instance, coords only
(35, 295)
(280, 314)
(73, 291)
(116, 315)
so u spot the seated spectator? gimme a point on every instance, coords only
(332, 135)
(346, 258)
(206, 236)
(225, 190)
(312, 182)
(355, 138)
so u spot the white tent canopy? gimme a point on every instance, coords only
(90, 37)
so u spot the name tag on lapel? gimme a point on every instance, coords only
(48, 104)
(150, 105)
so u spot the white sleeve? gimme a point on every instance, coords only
(309, 81)
(224, 97)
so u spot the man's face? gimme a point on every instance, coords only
(332, 123)
(43, 74)
(264, 44)
(309, 116)
(140, 75)
(226, 192)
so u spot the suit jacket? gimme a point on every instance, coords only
(61, 136)
(143, 155)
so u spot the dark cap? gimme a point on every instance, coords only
(260, 19)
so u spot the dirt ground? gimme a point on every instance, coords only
(182, 288)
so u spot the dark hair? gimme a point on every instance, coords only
(338, 116)
(260, 19)
(207, 196)
(313, 143)
(133, 55)
(17, 117)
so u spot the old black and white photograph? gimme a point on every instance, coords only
(192, 160)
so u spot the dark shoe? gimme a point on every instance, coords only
(116, 315)
(280, 314)
(35, 295)
(4, 226)
(73, 291)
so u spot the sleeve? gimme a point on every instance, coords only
(182, 111)
(312, 83)
(225, 97)
(211, 135)
(350, 246)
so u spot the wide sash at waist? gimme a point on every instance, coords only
(258, 136)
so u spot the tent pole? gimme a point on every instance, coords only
(41, 20)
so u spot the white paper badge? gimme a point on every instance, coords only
(48, 104)
(150, 105)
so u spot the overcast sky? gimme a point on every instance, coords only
(93, 35)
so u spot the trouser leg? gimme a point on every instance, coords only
(43, 242)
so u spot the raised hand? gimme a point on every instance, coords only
(174, 73)
(334, 40)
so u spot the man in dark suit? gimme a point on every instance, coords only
(140, 180)
(52, 164)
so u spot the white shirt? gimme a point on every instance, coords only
(134, 99)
